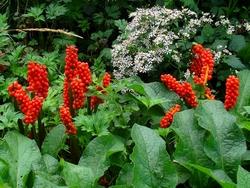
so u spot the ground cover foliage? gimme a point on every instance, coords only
(138, 94)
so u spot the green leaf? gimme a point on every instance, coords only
(125, 176)
(8, 116)
(41, 182)
(243, 178)
(190, 144)
(218, 175)
(78, 176)
(55, 10)
(97, 153)
(20, 153)
(207, 33)
(237, 43)
(47, 173)
(156, 93)
(54, 141)
(244, 53)
(225, 144)
(234, 62)
(151, 161)
(244, 96)
(36, 13)
(190, 4)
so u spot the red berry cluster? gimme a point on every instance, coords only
(16, 91)
(202, 64)
(208, 94)
(78, 89)
(169, 116)
(38, 85)
(106, 79)
(94, 100)
(78, 77)
(67, 120)
(34, 108)
(232, 92)
(38, 79)
(77, 80)
(184, 89)
(71, 60)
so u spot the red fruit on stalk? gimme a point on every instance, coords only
(66, 118)
(71, 60)
(78, 89)
(38, 79)
(34, 108)
(202, 64)
(232, 92)
(184, 90)
(169, 116)
(172, 84)
(106, 80)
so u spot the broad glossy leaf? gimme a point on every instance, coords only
(234, 62)
(243, 178)
(78, 176)
(125, 176)
(218, 175)
(152, 165)
(47, 172)
(237, 43)
(54, 141)
(190, 144)
(41, 182)
(225, 144)
(97, 153)
(244, 97)
(20, 153)
(158, 94)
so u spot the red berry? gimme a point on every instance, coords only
(232, 92)
(66, 118)
(38, 79)
(168, 118)
(202, 64)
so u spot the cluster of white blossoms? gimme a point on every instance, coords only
(154, 34)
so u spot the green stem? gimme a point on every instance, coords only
(41, 132)
(20, 126)
(33, 130)
(74, 149)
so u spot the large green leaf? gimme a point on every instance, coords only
(78, 176)
(97, 153)
(125, 177)
(156, 93)
(152, 165)
(243, 178)
(20, 153)
(234, 62)
(218, 175)
(244, 97)
(47, 172)
(189, 144)
(225, 144)
(237, 43)
(54, 141)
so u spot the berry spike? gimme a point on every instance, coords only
(202, 64)
(169, 116)
(66, 118)
(232, 92)
(38, 79)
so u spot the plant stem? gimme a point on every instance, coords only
(20, 126)
(74, 149)
(41, 132)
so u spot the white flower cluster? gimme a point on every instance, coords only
(154, 34)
